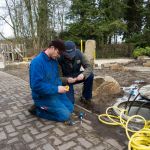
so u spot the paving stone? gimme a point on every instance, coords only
(39, 124)
(9, 112)
(2, 115)
(87, 121)
(19, 146)
(23, 101)
(14, 108)
(22, 117)
(48, 122)
(84, 142)
(41, 135)
(26, 113)
(114, 143)
(27, 138)
(9, 128)
(47, 127)
(23, 126)
(58, 132)
(33, 145)
(5, 123)
(73, 129)
(13, 134)
(79, 148)
(16, 122)
(84, 125)
(1, 129)
(48, 147)
(60, 125)
(29, 120)
(2, 136)
(93, 139)
(66, 146)
(14, 114)
(8, 147)
(99, 147)
(55, 140)
(37, 143)
(70, 136)
(13, 140)
(33, 130)
(116, 149)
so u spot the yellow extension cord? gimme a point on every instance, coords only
(140, 140)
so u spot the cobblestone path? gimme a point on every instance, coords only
(21, 131)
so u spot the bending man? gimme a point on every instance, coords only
(71, 62)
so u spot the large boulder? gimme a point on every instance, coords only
(105, 85)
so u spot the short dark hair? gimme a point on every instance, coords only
(59, 44)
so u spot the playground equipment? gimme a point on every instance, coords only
(12, 53)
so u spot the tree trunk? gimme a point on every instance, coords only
(42, 23)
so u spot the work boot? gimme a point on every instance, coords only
(85, 101)
(69, 122)
(32, 110)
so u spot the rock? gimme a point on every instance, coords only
(90, 48)
(147, 63)
(105, 85)
(143, 58)
(114, 66)
(145, 91)
(117, 67)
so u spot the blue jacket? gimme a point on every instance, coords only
(44, 79)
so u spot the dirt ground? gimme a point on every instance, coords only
(124, 78)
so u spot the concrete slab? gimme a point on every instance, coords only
(99, 62)
(2, 65)
(139, 68)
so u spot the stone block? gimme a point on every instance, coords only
(90, 50)
(66, 146)
(147, 63)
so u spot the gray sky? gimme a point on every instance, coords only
(4, 27)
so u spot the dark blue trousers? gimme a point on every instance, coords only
(59, 108)
(86, 91)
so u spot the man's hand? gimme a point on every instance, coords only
(62, 89)
(80, 77)
(71, 80)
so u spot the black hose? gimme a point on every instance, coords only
(141, 107)
(132, 102)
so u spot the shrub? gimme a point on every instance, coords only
(141, 51)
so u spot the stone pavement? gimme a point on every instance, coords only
(101, 61)
(21, 131)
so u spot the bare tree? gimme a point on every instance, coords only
(58, 10)
(35, 21)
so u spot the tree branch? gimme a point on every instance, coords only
(5, 37)
(7, 22)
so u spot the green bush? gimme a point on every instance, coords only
(141, 51)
